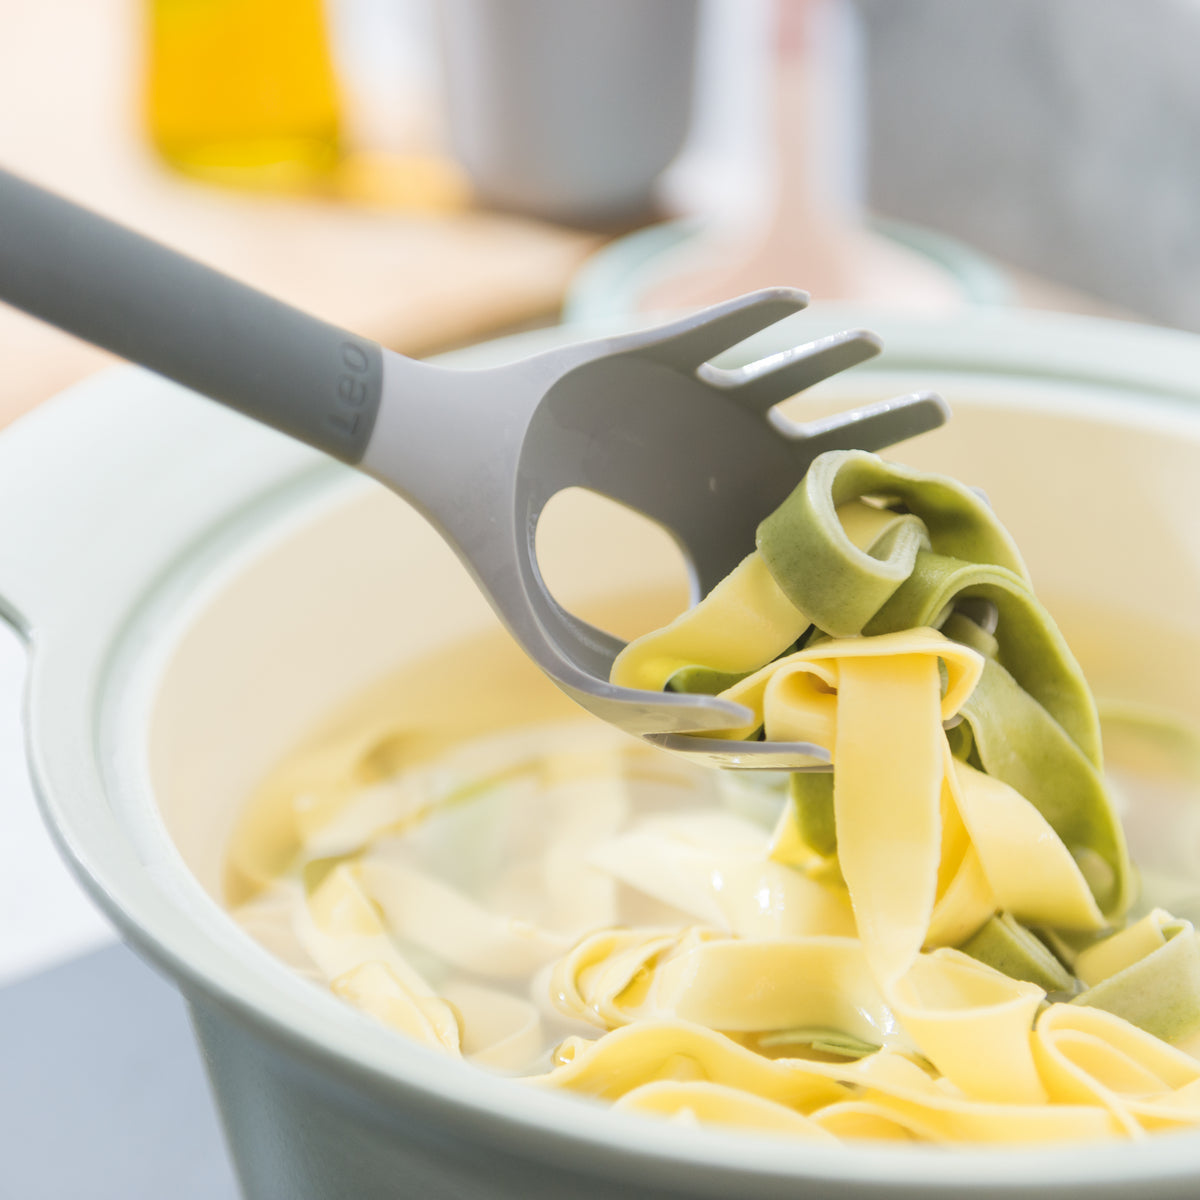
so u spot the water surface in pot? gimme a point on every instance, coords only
(510, 822)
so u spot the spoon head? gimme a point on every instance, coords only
(745, 756)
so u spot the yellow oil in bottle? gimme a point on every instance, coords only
(243, 91)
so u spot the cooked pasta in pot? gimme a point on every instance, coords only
(932, 942)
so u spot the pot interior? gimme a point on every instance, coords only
(1099, 490)
(346, 597)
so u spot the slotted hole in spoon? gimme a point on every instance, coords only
(608, 565)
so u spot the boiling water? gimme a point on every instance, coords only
(472, 769)
(469, 768)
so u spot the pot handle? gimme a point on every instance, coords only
(101, 486)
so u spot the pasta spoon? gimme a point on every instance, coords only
(644, 418)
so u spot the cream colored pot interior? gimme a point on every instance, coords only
(338, 601)
(1100, 492)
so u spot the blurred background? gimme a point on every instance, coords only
(430, 172)
(434, 172)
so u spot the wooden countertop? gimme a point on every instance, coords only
(69, 86)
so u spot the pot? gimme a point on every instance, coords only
(197, 592)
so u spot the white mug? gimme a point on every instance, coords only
(568, 109)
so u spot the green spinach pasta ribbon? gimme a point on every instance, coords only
(866, 547)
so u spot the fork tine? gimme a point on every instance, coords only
(762, 384)
(763, 756)
(872, 427)
(702, 335)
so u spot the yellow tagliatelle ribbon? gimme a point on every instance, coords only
(745, 621)
(713, 867)
(674, 1068)
(1003, 1074)
(748, 618)
(883, 693)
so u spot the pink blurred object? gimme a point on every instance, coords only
(814, 233)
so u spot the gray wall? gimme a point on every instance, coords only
(1060, 135)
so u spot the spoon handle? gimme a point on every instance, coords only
(153, 306)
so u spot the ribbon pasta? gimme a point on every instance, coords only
(928, 944)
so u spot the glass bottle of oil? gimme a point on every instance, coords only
(242, 91)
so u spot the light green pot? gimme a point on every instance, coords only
(197, 592)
